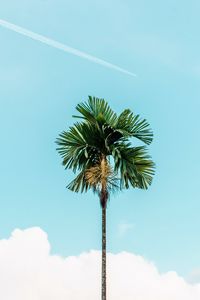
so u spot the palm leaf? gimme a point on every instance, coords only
(134, 165)
(79, 184)
(80, 146)
(96, 110)
(129, 125)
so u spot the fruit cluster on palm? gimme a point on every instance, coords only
(98, 147)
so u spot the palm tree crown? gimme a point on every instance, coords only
(87, 148)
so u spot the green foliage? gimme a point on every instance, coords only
(131, 125)
(96, 111)
(101, 134)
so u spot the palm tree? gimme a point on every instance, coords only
(98, 148)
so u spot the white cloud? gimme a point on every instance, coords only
(29, 272)
(124, 227)
(194, 276)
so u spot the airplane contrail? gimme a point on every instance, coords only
(63, 47)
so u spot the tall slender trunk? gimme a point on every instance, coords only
(103, 201)
(103, 274)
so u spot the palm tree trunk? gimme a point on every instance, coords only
(103, 274)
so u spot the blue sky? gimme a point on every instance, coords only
(40, 86)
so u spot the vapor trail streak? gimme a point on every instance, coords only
(61, 46)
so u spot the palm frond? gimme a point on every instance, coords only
(79, 184)
(129, 125)
(79, 147)
(134, 165)
(96, 110)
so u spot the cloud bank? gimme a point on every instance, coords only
(29, 272)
